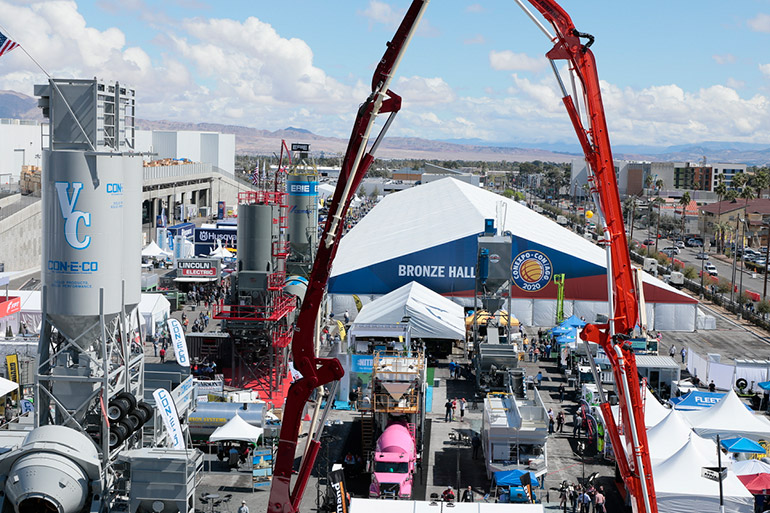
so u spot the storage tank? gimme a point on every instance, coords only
(82, 197)
(209, 416)
(255, 237)
(132, 228)
(302, 188)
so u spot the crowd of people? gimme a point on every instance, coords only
(582, 499)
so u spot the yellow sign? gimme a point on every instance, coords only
(341, 327)
(357, 300)
(12, 362)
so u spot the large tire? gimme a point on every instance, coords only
(117, 409)
(118, 433)
(133, 421)
(145, 411)
(741, 383)
(128, 397)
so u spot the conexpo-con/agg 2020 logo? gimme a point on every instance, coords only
(531, 270)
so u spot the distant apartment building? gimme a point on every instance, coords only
(207, 147)
(20, 145)
(631, 176)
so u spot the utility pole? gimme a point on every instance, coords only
(767, 257)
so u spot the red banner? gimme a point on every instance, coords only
(10, 306)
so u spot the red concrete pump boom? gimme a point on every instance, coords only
(636, 469)
(315, 371)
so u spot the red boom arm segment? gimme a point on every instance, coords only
(637, 469)
(320, 371)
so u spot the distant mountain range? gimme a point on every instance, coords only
(255, 141)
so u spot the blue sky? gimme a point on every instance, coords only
(672, 72)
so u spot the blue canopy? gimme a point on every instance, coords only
(765, 385)
(513, 477)
(573, 322)
(741, 444)
(696, 400)
(561, 330)
(566, 339)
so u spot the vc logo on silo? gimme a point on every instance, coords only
(72, 217)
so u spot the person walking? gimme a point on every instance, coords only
(577, 424)
(672, 350)
(561, 392)
(244, 508)
(563, 491)
(162, 355)
(551, 421)
(539, 376)
(454, 408)
(599, 501)
(448, 414)
(560, 421)
(468, 495)
(684, 354)
(462, 409)
(585, 503)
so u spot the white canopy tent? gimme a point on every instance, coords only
(236, 429)
(729, 417)
(681, 488)
(654, 412)
(155, 309)
(671, 434)
(430, 315)
(152, 250)
(7, 386)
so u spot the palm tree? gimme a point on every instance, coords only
(721, 191)
(685, 202)
(720, 230)
(657, 201)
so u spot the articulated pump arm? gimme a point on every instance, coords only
(316, 371)
(636, 470)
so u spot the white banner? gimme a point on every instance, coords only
(167, 409)
(178, 341)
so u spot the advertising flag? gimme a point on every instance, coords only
(6, 45)
(179, 342)
(165, 404)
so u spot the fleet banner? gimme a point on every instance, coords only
(178, 340)
(165, 404)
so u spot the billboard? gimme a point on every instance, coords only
(197, 268)
(205, 239)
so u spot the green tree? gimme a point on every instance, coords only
(763, 307)
(690, 273)
(721, 191)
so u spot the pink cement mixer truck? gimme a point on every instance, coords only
(394, 463)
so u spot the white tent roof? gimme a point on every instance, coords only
(681, 488)
(446, 210)
(431, 315)
(749, 467)
(236, 429)
(221, 252)
(7, 386)
(728, 417)
(154, 303)
(325, 190)
(654, 412)
(153, 250)
(671, 434)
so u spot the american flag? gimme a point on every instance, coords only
(255, 175)
(6, 45)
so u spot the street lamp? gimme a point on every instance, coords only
(743, 253)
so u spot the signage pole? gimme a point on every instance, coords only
(719, 469)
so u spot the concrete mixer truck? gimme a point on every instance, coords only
(394, 463)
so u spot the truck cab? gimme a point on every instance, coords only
(393, 464)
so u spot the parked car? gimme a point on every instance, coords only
(649, 242)
(675, 249)
(760, 262)
(693, 243)
(702, 256)
(711, 269)
(679, 244)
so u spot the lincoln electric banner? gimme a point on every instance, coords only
(197, 268)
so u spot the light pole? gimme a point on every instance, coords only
(702, 260)
(743, 252)
(767, 257)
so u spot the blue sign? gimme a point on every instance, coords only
(302, 188)
(362, 363)
(228, 236)
(696, 400)
(183, 229)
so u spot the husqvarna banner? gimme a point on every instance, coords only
(176, 332)
(165, 404)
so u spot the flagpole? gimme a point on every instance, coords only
(5, 31)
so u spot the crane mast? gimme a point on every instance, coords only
(634, 465)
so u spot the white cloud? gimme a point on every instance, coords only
(760, 23)
(425, 91)
(478, 39)
(765, 69)
(735, 83)
(475, 8)
(727, 58)
(510, 61)
(380, 12)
